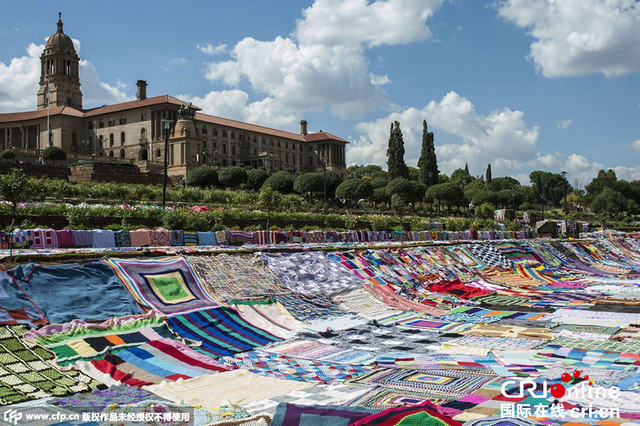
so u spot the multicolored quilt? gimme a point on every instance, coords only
(80, 341)
(234, 277)
(168, 285)
(29, 371)
(446, 383)
(221, 331)
(150, 363)
(295, 415)
(289, 368)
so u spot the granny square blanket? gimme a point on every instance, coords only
(168, 285)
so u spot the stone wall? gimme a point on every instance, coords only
(127, 173)
(36, 170)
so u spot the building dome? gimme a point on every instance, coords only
(60, 40)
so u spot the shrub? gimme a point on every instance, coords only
(281, 182)
(202, 176)
(185, 220)
(54, 154)
(233, 176)
(354, 190)
(8, 154)
(256, 178)
(309, 183)
(380, 223)
(78, 218)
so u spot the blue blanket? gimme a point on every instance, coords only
(90, 291)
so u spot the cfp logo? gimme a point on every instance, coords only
(12, 416)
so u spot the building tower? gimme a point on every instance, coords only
(59, 71)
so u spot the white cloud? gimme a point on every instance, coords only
(579, 37)
(564, 124)
(379, 80)
(636, 144)
(501, 137)
(389, 22)
(210, 49)
(226, 103)
(19, 82)
(323, 64)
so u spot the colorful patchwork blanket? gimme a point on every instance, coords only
(221, 331)
(168, 285)
(29, 371)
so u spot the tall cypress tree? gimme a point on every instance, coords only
(396, 166)
(423, 162)
(466, 168)
(432, 160)
(488, 174)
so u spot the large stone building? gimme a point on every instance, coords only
(134, 131)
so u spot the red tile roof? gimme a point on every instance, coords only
(166, 99)
(40, 113)
(122, 106)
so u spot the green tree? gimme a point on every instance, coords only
(256, 178)
(466, 169)
(448, 193)
(371, 171)
(407, 190)
(507, 182)
(14, 189)
(609, 203)
(428, 163)
(354, 189)
(269, 199)
(487, 176)
(202, 176)
(233, 176)
(312, 183)
(605, 179)
(549, 186)
(333, 180)
(54, 153)
(281, 182)
(396, 167)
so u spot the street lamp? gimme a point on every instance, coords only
(324, 164)
(167, 129)
(564, 188)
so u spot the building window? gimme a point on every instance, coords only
(123, 119)
(215, 132)
(255, 139)
(158, 153)
(111, 153)
(112, 122)
(100, 124)
(286, 145)
(311, 161)
(143, 117)
(278, 143)
(286, 158)
(270, 142)
(255, 152)
(204, 130)
(90, 125)
(111, 140)
(233, 150)
(143, 133)
(233, 134)
(224, 133)
(121, 138)
(122, 153)
(74, 141)
(224, 149)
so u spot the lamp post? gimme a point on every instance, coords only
(167, 129)
(324, 173)
(564, 188)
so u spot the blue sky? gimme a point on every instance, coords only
(523, 84)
